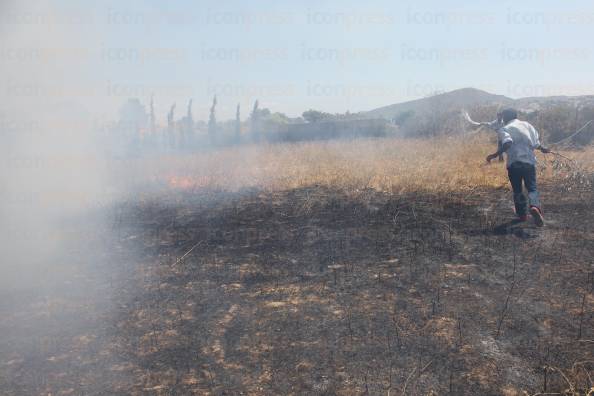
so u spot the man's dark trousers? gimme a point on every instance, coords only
(522, 173)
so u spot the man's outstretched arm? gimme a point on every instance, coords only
(502, 149)
(536, 141)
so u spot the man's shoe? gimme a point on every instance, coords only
(537, 216)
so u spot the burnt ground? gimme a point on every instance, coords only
(312, 291)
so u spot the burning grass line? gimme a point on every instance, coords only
(396, 166)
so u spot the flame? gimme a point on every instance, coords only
(190, 182)
(181, 182)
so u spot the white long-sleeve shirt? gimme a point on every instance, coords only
(524, 139)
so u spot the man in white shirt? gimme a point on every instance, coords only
(518, 139)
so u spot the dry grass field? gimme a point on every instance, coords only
(440, 165)
(370, 267)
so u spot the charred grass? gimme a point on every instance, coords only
(322, 290)
(314, 291)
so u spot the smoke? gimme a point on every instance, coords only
(51, 168)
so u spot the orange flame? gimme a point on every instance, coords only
(181, 182)
(189, 182)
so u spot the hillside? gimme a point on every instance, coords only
(465, 97)
(556, 117)
(537, 102)
(472, 97)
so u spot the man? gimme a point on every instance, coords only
(518, 139)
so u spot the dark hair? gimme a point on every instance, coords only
(509, 115)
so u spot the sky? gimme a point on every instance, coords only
(334, 56)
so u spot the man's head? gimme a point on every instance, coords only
(508, 115)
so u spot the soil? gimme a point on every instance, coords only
(311, 291)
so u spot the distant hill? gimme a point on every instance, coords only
(539, 102)
(468, 98)
(556, 116)
(448, 101)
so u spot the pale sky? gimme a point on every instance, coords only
(328, 55)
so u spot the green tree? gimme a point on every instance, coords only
(237, 124)
(212, 121)
(255, 120)
(315, 115)
(171, 126)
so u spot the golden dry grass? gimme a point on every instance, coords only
(394, 165)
